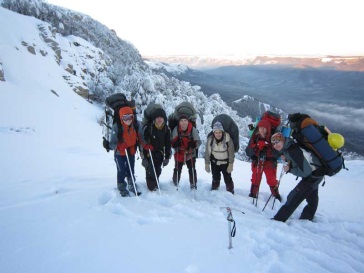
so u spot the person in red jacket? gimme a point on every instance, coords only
(185, 141)
(260, 150)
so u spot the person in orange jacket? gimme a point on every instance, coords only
(260, 150)
(124, 141)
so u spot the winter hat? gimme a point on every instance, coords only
(182, 116)
(266, 124)
(159, 112)
(217, 126)
(277, 137)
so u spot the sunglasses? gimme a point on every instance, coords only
(276, 139)
(127, 117)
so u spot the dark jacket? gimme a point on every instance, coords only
(303, 163)
(159, 138)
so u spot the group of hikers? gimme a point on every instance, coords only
(156, 140)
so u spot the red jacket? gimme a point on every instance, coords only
(267, 152)
(183, 152)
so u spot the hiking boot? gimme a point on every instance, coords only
(278, 197)
(124, 193)
(215, 185)
(122, 186)
(174, 177)
(275, 193)
(230, 186)
(131, 185)
(254, 191)
(252, 195)
(193, 187)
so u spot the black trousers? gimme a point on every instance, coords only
(149, 174)
(306, 189)
(216, 171)
(191, 171)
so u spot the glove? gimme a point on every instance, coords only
(165, 162)
(261, 144)
(148, 147)
(106, 144)
(177, 143)
(123, 146)
(145, 163)
(207, 168)
(230, 168)
(191, 144)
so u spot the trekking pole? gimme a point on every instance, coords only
(176, 158)
(279, 181)
(261, 161)
(193, 177)
(267, 201)
(131, 173)
(155, 173)
(280, 177)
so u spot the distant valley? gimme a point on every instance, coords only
(333, 96)
(347, 63)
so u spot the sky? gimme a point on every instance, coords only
(238, 27)
(60, 211)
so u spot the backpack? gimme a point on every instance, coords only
(230, 127)
(273, 118)
(148, 113)
(113, 104)
(275, 123)
(184, 108)
(313, 137)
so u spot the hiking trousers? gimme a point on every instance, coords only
(307, 189)
(177, 171)
(216, 171)
(122, 167)
(158, 158)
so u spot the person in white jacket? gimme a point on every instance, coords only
(220, 154)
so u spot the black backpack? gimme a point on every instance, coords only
(230, 127)
(313, 137)
(113, 104)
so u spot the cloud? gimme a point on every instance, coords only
(340, 116)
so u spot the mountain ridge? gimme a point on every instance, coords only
(346, 63)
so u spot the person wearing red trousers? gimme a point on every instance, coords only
(264, 161)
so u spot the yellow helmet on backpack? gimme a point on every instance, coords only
(336, 140)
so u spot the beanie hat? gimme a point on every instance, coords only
(266, 124)
(159, 112)
(277, 137)
(182, 116)
(217, 126)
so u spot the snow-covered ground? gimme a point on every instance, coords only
(60, 212)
